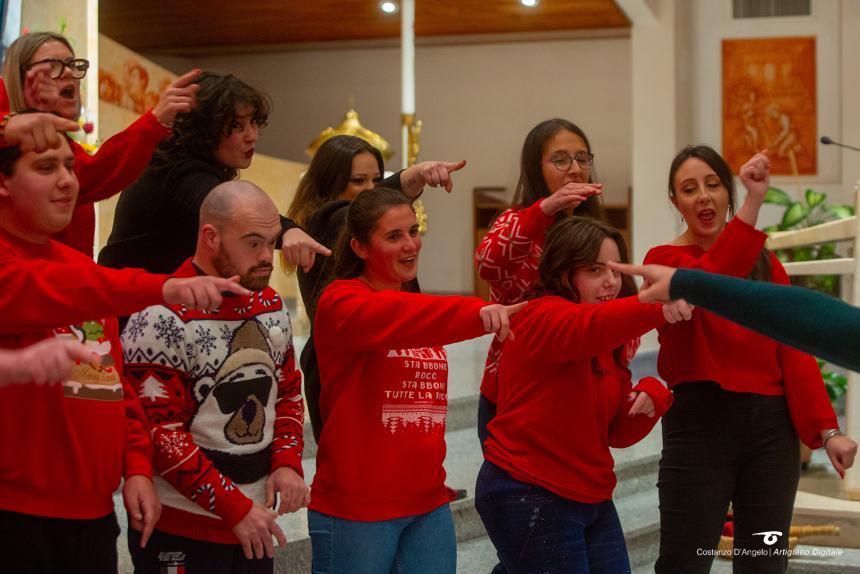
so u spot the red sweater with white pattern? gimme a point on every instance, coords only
(72, 441)
(223, 396)
(711, 348)
(563, 399)
(384, 379)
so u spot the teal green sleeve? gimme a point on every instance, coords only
(815, 323)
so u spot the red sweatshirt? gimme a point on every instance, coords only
(118, 162)
(67, 445)
(563, 400)
(710, 348)
(224, 399)
(384, 379)
(508, 259)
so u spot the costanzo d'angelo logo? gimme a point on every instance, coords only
(770, 536)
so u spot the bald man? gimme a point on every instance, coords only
(223, 397)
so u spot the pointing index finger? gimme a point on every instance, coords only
(186, 78)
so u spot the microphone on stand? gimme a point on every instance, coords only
(827, 141)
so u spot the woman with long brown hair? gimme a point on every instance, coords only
(742, 400)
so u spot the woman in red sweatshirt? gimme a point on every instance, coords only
(556, 180)
(741, 399)
(378, 496)
(41, 72)
(565, 397)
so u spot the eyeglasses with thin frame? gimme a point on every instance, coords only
(562, 162)
(78, 67)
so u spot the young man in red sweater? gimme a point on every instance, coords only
(67, 445)
(223, 396)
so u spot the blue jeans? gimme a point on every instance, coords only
(537, 531)
(423, 544)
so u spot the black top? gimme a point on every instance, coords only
(815, 323)
(156, 219)
(325, 225)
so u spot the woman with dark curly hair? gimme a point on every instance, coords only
(156, 220)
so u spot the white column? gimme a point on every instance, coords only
(662, 118)
(407, 74)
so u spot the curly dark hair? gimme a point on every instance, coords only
(196, 134)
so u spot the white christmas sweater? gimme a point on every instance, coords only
(223, 398)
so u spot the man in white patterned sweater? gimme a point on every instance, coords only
(223, 397)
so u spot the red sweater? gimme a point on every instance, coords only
(563, 400)
(384, 379)
(67, 445)
(508, 259)
(118, 162)
(710, 348)
(201, 377)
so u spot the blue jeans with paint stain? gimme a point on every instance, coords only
(422, 544)
(537, 531)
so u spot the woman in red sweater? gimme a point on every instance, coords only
(378, 496)
(556, 180)
(565, 397)
(41, 73)
(741, 399)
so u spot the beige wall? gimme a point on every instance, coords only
(477, 102)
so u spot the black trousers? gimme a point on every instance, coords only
(41, 545)
(721, 447)
(170, 553)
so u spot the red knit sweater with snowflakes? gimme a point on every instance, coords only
(67, 445)
(224, 399)
(562, 398)
(384, 379)
(710, 348)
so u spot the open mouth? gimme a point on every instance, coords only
(249, 154)
(606, 298)
(408, 260)
(69, 92)
(707, 215)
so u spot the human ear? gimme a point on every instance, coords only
(358, 248)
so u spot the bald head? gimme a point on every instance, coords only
(239, 225)
(231, 199)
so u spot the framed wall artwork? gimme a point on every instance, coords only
(769, 101)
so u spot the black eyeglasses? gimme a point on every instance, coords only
(562, 162)
(78, 67)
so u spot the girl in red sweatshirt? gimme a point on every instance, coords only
(741, 399)
(565, 397)
(378, 495)
(556, 180)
